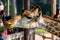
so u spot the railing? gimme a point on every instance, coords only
(15, 36)
(19, 36)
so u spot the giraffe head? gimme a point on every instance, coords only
(25, 17)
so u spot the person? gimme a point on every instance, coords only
(1, 23)
(1, 13)
(1, 9)
(1, 36)
(3, 16)
(5, 33)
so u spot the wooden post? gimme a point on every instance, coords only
(26, 30)
(27, 4)
(33, 35)
(8, 2)
(26, 34)
(53, 3)
(14, 8)
(58, 9)
(23, 5)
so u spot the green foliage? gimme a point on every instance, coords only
(0, 0)
(39, 31)
(5, 6)
(7, 26)
(1, 29)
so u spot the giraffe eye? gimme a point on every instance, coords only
(29, 17)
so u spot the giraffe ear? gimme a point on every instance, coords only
(35, 7)
(35, 11)
(21, 12)
(39, 8)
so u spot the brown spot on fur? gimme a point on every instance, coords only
(57, 28)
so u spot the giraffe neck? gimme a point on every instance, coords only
(50, 26)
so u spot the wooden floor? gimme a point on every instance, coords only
(38, 37)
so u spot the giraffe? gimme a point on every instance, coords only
(45, 22)
(24, 18)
